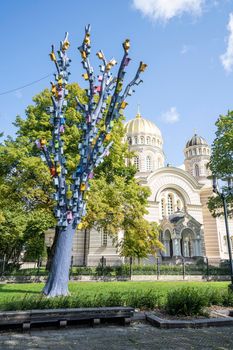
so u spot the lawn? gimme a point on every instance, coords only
(84, 294)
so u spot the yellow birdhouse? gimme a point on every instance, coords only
(113, 62)
(54, 89)
(87, 39)
(124, 104)
(58, 169)
(43, 142)
(52, 56)
(80, 226)
(60, 82)
(126, 44)
(100, 55)
(108, 137)
(83, 187)
(84, 55)
(65, 45)
(142, 67)
(85, 76)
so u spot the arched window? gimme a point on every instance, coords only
(104, 238)
(136, 162)
(129, 140)
(163, 207)
(148, 163)
(142, 140)
(200, 151)
(178, 204)
(197, 171)
(190, 152)
(135, 140)
(169, 204)
(194, 151)
(153, 141)
(148, 140)
(204, 151)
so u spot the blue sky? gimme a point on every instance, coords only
(186, 86)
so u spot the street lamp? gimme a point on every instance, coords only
(224, 193)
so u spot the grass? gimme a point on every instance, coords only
(90, 294)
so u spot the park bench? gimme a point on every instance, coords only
(64, 317)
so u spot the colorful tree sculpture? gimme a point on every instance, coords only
(104, 103)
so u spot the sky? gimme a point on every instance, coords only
(187, 44)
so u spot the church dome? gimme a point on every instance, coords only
(142, 126)
(196, 141)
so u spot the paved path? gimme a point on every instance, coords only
(135, 337)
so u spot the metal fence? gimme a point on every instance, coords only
(182, 267)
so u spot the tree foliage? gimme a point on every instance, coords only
(221, 162)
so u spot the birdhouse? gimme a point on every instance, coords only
(69, 215)
(53, 171)
(43, 142)
(80, 226)
(65, 45)
(142, 67)
(52, 56)
(84, 55)
(83, 186)
(126, 44)
(123, 105)
(107, 137)
(126, 61)
(100, 55)
(85, 76)
(58, 169)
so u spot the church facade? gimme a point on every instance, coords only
(178, 201)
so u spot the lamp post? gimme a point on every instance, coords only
(224, 193)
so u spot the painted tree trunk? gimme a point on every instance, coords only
(57, 283)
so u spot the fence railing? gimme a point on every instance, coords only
(182, 268)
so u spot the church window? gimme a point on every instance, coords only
(197, 171)
(104, 238)
(136, 162)
(148, 140)
(190, 152)
(136, 140)
(169, 204)
(204, 151)
(148, 163)
(129, 140)
(199, 150)
(163, 207)
(142, 140)
(178, 204)
(153, 141)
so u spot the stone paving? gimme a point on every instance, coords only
(137, 336)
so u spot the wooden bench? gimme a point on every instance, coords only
(63, 317)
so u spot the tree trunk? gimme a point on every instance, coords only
(57, 283)
(51, 250)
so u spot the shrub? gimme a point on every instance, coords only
(186, 301)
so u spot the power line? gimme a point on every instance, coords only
(24, 86)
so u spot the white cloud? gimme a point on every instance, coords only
(171, 116)
(165, 10)
(227, 57)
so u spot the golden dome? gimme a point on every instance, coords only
(142, 126)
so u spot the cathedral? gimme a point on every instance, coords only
(178, 202)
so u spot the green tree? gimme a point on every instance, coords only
(221, 162)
